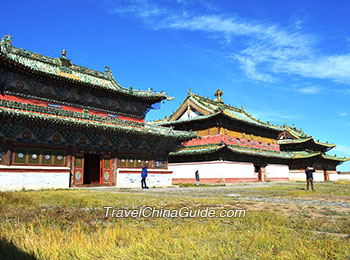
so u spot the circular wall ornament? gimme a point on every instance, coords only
(82, 140)
(26, 135)
(20, 155)
(20, 84)
(105, 142)
(56, 137)
(47, 157)
(34, 156)
(59, 157)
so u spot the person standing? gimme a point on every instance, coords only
(309, 177)
(144, 176)
(197, 177)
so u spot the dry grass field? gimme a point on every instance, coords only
(283, 221)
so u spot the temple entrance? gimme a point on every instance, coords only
(257, 169)
(92, 169)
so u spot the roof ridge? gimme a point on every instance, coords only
(56, 62)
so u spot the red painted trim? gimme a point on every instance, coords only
(69, 108)
(37, 102)
(214, 180)
(219, 138)
(149, 172)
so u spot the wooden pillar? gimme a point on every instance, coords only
(263, 174)
(326, 175)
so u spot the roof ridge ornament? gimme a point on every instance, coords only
(189, 92)
(64, 61)
(7, 40)
(218, 94)
(108, 70)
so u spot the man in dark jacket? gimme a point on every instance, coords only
(197, 177)
(144, 176)
(309, 177)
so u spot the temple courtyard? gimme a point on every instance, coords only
(278, 221)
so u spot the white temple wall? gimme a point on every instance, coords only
(131, 178)
(213, 172)
(17, 180)
(277, 172)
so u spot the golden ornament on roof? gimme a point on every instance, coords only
(218, 94)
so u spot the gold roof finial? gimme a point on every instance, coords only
(218, 94)
(63, 53)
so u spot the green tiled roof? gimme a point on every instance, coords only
(58, 68)
(214, 108)
(211, 148)
(36, 114)
(334, 157)
(304, 154)
(302, 140)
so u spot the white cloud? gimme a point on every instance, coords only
(343, 114)
(140, 8)
(310, 90)
(262, 49)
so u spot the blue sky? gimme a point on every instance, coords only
(283, 61)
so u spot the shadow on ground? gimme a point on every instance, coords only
(9, 251)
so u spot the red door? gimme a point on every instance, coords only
(78, 169)
(106, 170)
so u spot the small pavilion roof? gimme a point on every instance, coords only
(209, 108)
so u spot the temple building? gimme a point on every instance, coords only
(233, 146)
(64, 125)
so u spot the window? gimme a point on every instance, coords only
(131, 163)
(20, 156)
(39, 157)
(248, 142)
(122, 162)
(0, 157)
(34, 157)
(138, 162)
(59, 158)
(159, 164)
(238, 141)
(47, 158)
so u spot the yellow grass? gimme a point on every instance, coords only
(71, 224)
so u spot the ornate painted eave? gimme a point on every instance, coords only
(61, 69)
(212, 148)
(305, 154)
(88, 124)
(304, 140)
(211, 116)
(335, 158)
